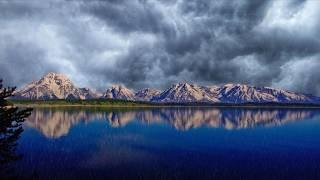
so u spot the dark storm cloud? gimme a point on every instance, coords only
(129, 16)
(155, 43)
(17, 60)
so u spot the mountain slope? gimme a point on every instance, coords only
(185, 93)
(119, 92)
(146, 94)
(54, 86)
(58, 86)
(239, 93)
(231, 93)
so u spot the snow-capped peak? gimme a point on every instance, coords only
(53, 86)
(58, 86)
(117, 86)
(184, 93)
(146, 94)
(119, 92)
(230, 93)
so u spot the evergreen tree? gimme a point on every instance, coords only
(11, 119)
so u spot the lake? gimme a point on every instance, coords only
(170, 143)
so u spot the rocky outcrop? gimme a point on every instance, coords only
(146, 94)
(53, 86)
(119, 92)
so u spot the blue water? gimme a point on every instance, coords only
(170, 143)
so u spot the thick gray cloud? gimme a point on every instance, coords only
(155, 43)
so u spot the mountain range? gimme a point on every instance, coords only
(59, 86)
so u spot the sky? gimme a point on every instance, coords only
(155, 43)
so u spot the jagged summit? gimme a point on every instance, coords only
(230, 93)
(240, 93)
(117, 91)
(185, 92)
(146, 94)
(52, 75)
(59, 86)
(117, 86)
(54, 86)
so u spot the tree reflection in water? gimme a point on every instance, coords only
(11, 119)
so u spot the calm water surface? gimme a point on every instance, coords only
(170, 143)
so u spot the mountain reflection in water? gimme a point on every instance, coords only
(56, 122)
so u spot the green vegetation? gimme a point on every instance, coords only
(125, 103)
(11, 120)
(93, 102)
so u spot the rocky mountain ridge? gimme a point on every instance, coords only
(54, 86)
(58, 86)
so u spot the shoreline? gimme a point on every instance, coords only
(112, 103)
(166, 106)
